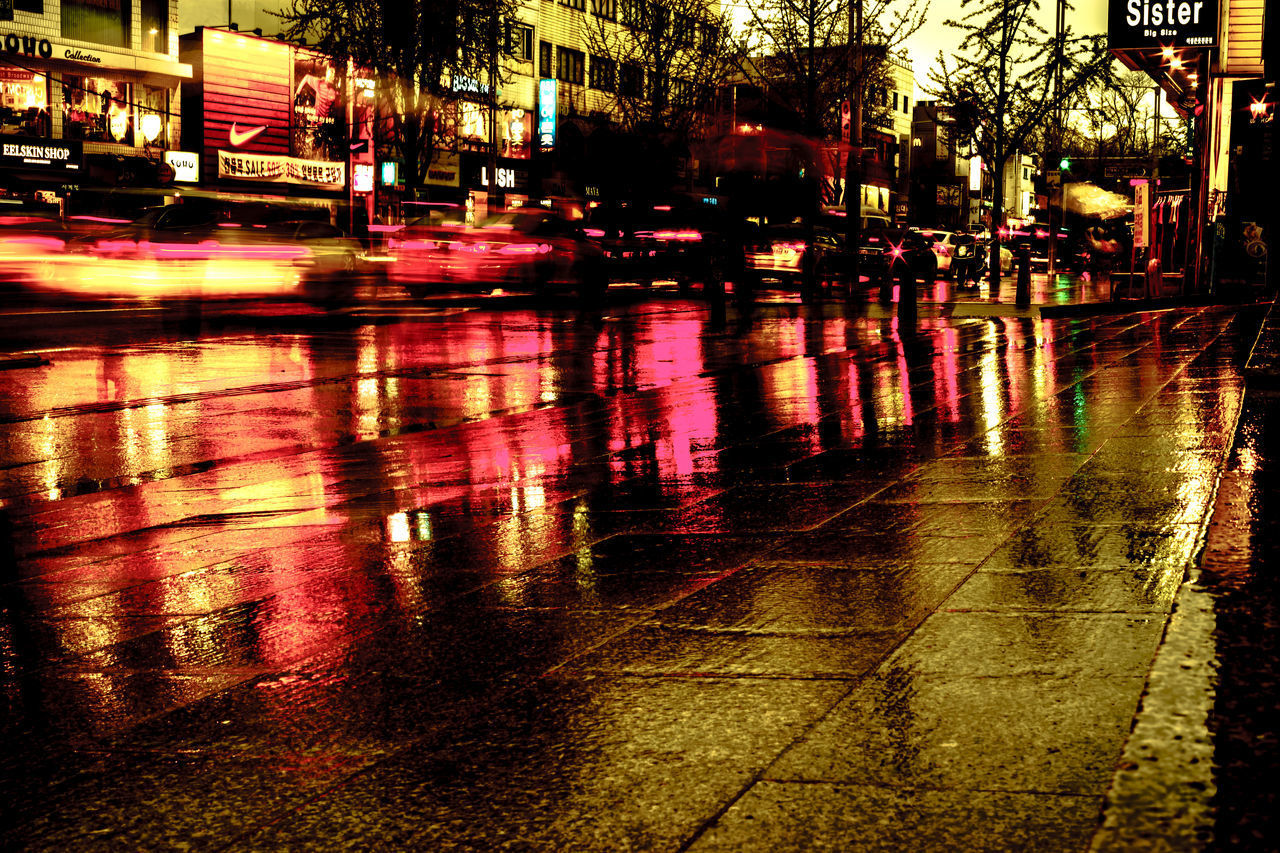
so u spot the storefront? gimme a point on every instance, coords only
(268, 120)
(91, 92)
(1214, 229)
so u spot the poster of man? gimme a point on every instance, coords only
(319, 126)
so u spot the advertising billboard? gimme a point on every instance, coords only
(1162, 23)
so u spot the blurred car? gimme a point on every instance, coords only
(28, 240)
(678, 240)
(882, 249)
(780, 252)
(333, 262)
(186, 250)
(529, 250)
(872, 217)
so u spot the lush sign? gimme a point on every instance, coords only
(1162, 23)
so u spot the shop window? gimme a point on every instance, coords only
(603, 73)
(153, 115)
(545, 68)
(520, 41)
(98, 21)
(96, 110)
(570, 65)
(155, 26)
(24, 107)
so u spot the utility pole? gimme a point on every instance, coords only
(1055, 192)
(491, 185)
(853, 167)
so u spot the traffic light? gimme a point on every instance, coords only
(1065, 164)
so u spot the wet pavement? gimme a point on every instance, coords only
(663, 578)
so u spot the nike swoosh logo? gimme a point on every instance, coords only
(243, 137)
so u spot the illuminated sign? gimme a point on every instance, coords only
(506, 177)
(1141, 215)
(444, 170)
(1162, 23)
(389, 176)
(362, 177)
(186, 165)
(546, 114)
(276, 168)
(37, 153)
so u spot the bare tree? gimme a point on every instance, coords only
(803, 47)
(418, 50)
(663, 62)
(1000, 84)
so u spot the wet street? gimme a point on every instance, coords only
(662, 578)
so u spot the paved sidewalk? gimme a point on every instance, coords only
(817, 588)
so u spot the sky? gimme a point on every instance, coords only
(1086, 16)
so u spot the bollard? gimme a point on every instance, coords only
(1022, 297)
(906, 300)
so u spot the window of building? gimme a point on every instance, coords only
(580, 5)
(632, 12)
(24, 104)
(96, 109)
(520, 41)
(710, 34)
(604, 73)
(895, 100)
(545, 68)
(155, 26)
(605, 9)
(685, 30)
(99, 21)
(570, 65)
(681, 92)
(33, 6)
(904, 103)
(631, 80)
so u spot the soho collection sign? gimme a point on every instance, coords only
(1162, 23)
(16, 44)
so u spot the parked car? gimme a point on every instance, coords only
(944, 245)
(528, 250)
(884, 248)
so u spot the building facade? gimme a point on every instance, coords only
(1216, 64)
(91, 96)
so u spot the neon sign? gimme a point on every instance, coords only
(546, 114)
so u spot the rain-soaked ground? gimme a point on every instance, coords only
(648, 580)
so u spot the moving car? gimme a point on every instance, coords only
(644, 242)
(528, 250)
(780, 252)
